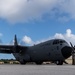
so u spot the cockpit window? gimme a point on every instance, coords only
(58, 41)
(62, 41)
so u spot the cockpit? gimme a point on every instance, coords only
(58, 42)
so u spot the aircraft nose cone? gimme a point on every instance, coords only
(66, 51)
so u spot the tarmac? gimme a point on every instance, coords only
(7, 69)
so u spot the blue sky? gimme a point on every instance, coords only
(34, 21)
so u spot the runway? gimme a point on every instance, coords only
(37, 70)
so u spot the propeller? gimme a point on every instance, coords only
(72, 47)
(73, 54)
(15, 44)
(65, 62)
(17, 47)
(15, 41)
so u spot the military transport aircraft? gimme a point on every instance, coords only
(55, 50)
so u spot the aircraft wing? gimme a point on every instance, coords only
(6, 49)
(12, 49)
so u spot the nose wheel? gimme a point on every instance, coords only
(59, 62)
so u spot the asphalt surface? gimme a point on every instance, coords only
(37, 70)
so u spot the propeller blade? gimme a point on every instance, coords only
(15, 40)
(73, 54)
(65, 62)
(72, 46)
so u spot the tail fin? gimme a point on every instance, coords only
(15, 40)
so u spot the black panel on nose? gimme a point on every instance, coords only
(66, 51)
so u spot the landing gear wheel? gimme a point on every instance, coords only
(38, 62)
(23, 62)
(59, 62)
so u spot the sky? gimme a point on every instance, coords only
(35, 21)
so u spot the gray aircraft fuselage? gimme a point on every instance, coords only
(52, 50)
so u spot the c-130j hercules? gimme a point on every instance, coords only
(55, 50)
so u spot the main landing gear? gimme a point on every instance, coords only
(23, 62)
(38, 62)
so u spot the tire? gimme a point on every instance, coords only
(38, 62)
(23, 62)
(59, 62)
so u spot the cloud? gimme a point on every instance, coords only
(29, 10)
(24, 10)
(68, 7)
(27, 40)
(68, 36)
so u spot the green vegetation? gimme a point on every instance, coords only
(8, 61)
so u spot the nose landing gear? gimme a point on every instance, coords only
(59, 62)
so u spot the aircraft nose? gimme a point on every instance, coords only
(66, 51)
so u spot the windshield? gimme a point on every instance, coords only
(58, 41)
